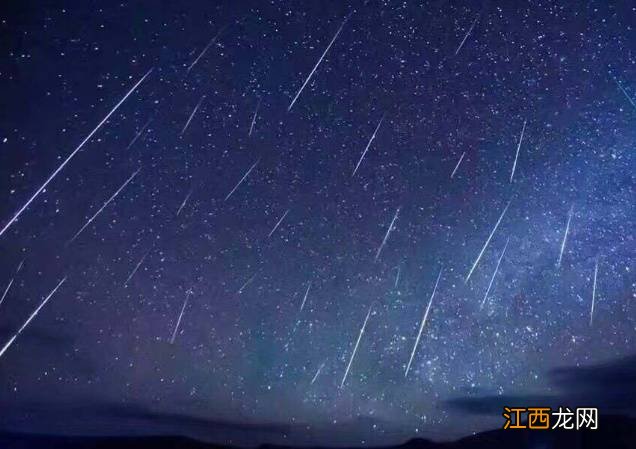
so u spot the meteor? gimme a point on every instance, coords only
(317, 373)
(206, 48)
(625, 93)
(466, 36)
(242, 179)
(90, 220)
(247, 283)
(514, 165)
(70, 156)
(461, 158)
(368, 146)
(176, 328)
(6, 290)
(594, 292)
(184, 202)
(302, 306)
(318, 63)
(355, 348)
(419, 333)
(481, 253)
(386, 236)
(10, 342)
(194, 111)
(278, 223)
(565, 236)
(141, 131)
(495, 273)
(141, 261)
(258, 105)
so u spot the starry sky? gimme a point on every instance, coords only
(226, 274)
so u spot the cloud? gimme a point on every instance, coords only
(609, 386)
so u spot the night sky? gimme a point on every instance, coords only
(229, 258)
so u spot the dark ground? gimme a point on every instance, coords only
(615, 432)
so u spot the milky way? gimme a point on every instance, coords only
(233, 278)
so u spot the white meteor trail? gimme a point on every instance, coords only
(317, 373)
(461, 158)
(141, 131)
(184, 202)
(514, 165)
(6, 290)
(176, 328)
(194, 111)
(10, 342)
(318, 63)
(132, 273)
(258, 105)
(247, 283)
(466, 36)
(206, 48)
(386, 236)
(625, 93)
(492, 279)
(90, 220)
(565, 236)
(422, 324)
(242, 179)
(278, 223)
(368, 146)
(355, 348)
(70, 156)
(397, 277)
(481, 253)
(302, 306)
(594, 292)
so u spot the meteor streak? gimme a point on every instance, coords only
(206, 48)
(242, 179)
(317, 373)
(368, 146)
(184, 202)
(461, 158)
(10, 342)
(514, 165)
(466, 36)
(278, 224)
(176, 328)
(258, 105)
(494, 274)
(386, 236)
(302, 306)
(318, 63)
(141, 131)
(625, 93)
(70, 156)
(90, 220)
(247, 283)
(132, 273)
(419, 333)
(594, 292)
(194, 111)
(481, 253)
(565, 235)
(6, 290)
(355, 348)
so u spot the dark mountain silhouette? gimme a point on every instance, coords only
(615, 432)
